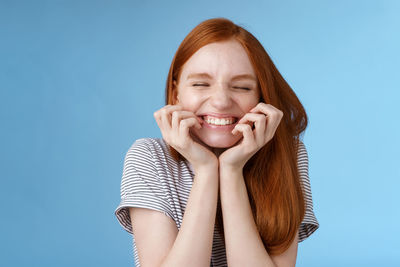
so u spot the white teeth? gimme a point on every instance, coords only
(218, 121)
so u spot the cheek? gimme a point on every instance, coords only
(190, 102)
(189, 105)
(247, 104)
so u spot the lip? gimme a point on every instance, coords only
(218, 115)
(229, 127)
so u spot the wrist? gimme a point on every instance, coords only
(209, 168)
(228, 170)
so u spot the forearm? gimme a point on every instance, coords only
(244, 246)
(193, 244)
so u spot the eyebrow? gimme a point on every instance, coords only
(205, 75)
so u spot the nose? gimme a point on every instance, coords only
(221, 98)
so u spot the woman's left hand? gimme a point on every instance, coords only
(266, 119)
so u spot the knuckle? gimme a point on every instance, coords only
(185, 123)
(163, 112)
(246, 127)
(274, 115)
(176, 114)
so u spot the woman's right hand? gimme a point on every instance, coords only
(174, 123)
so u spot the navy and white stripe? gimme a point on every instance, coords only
(153, 179)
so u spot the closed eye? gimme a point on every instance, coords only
(244, 88)
(200, 84)
(204, 84)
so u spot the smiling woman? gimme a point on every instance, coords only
(228, 183)
(211, 83)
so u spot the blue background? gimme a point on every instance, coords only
(80, 81)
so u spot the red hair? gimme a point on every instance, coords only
(271, 175)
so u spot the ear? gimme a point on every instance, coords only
(175, 99)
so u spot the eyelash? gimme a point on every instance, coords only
(198, 84)
(244, 88)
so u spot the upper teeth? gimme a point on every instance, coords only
(218, 121)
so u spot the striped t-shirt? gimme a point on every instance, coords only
(153, 179)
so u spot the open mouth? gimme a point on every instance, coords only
(219, 121)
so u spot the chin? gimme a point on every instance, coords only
(220, 141)
(219, 144)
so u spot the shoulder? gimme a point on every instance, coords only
(148, 148)
(301, 149)
(302, 162)
(151, 154)
(147, 144)
(310, 223)
(302, 155)
(144, 163)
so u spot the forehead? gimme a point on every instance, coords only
(220, 59)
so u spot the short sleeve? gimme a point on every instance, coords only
(140, 184)
(310, 223)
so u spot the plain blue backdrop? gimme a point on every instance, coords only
(80, 81)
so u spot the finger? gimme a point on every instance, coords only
(260, 124)
(262, 108)
(245, 129)
(273, 115)
(259, 121)
(166, 116)
(177, 116)
(185, 124)
(267, 109)
(157, 115)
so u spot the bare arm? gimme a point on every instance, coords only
(193, 243)
(244, 246)
(243, 243)
(160, 244)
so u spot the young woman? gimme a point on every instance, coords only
(228, 184)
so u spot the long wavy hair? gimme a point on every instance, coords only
(271, 175)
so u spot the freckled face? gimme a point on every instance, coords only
(219, 85)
